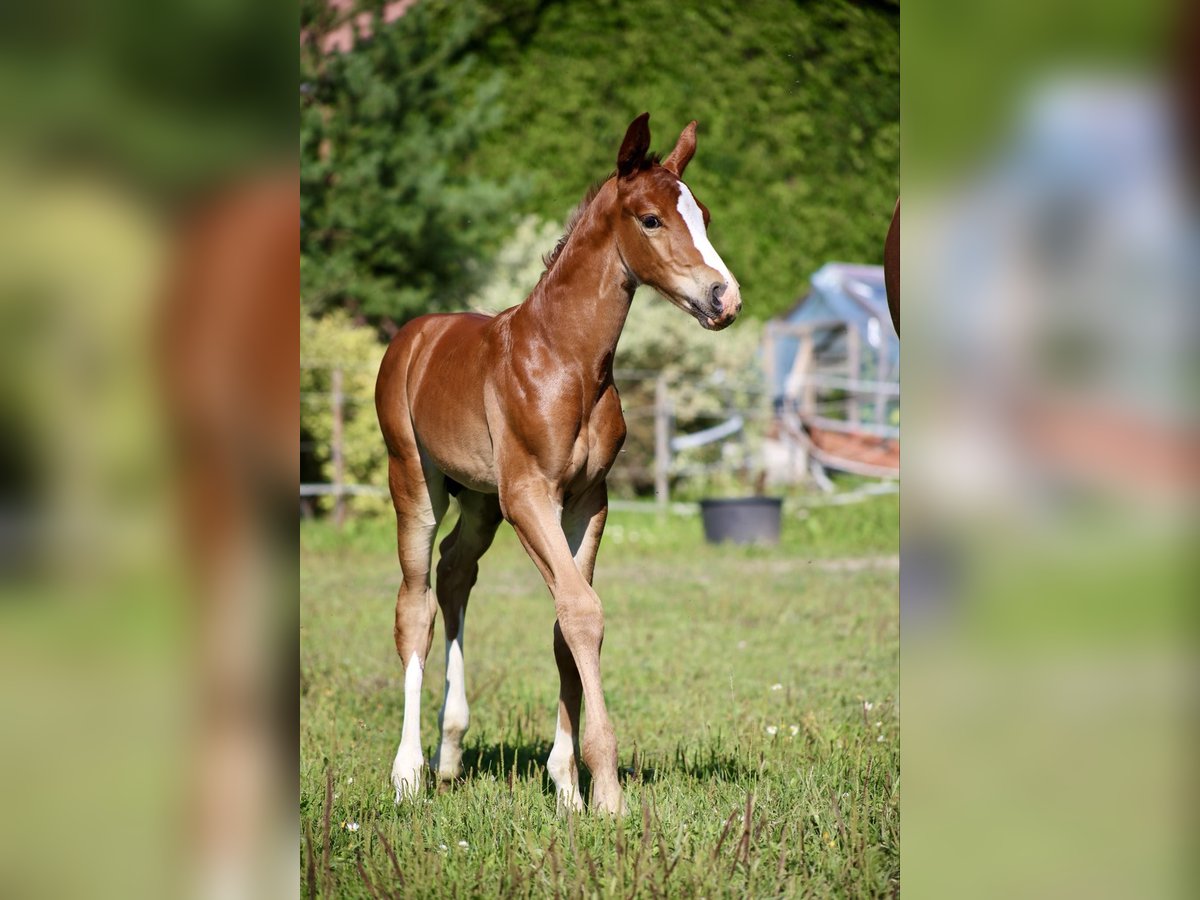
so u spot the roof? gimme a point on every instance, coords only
(844, 291)
(841, 292)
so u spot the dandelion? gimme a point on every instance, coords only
(777, 686)
(771, 729)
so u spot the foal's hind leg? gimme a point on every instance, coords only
(479, 516)
(420, 499)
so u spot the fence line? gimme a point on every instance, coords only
(661, 463)
(667, 443)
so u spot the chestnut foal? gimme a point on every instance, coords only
(518, 417)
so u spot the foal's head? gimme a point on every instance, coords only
(662, 230)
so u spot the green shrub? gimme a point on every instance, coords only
(335, 341)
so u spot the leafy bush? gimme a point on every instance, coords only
(517, 266)
(708, 375)
(335, 341)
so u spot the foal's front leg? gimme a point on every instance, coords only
(583, 525)
(530, 507)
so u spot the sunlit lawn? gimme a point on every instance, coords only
(752, 689)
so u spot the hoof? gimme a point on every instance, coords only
(611, 803)
(568, 800)
(447, 764)
(408, 776)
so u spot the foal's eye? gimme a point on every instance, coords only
(650, 222)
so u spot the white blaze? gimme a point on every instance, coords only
(689, 211)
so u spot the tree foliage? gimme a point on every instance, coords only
(394, 220)
(798, 104)
(414, 144)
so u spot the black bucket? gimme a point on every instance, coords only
(742, 520)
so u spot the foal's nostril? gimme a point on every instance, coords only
(716, 291)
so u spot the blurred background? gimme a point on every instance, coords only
(1048, 594)
(148, 333)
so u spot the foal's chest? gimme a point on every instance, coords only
(601, 434)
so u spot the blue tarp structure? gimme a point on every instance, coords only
(854, 296)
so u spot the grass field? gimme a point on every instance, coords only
(752, 689)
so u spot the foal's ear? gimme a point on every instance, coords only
(635, 146)
(684, 149)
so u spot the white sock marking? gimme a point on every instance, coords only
(689, 211)
(455, 715)
(409, 762)
(562, 768)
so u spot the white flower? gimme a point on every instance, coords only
(771, 729)
(794, 729)
(349, 781)
(879, 740)
(777, 686)
(352, 826)
(441, 846)
(868, 705)
(463, 844)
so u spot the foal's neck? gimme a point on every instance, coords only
(581, 303)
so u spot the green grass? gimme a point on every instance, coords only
(706, 650)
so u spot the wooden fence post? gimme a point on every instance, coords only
(805, 363)
(662, 442)
(883, 372)
(336, 450)
(853, 367)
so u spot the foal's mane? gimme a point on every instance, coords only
(577, 213)
(572, 220)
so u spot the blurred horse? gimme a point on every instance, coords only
(518, 417)
(228, 339)
(891, 267)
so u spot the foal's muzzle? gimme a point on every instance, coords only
(724, 302)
